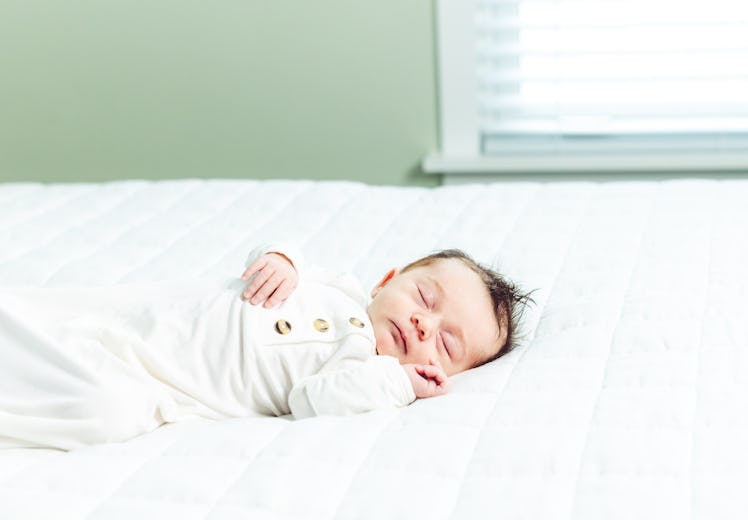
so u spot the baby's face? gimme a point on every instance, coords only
(439, 313)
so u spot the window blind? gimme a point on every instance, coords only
(602, 76)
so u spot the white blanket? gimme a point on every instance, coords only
(106, 364)
(626, 399)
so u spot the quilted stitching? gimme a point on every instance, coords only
(627, 399)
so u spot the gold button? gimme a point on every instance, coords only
(357, 323)
(282, 327)
(321, 325)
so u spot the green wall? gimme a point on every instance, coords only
(99, 90)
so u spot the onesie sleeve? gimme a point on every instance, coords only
(287, 250)
(353, 386)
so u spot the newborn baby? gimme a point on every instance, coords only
(84, 366)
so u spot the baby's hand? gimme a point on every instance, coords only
(275, 279)
(427, 380)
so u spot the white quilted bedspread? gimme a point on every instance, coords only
(627, 399)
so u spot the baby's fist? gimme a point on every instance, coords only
(427, 380)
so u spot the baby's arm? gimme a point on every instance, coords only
(354, 386)
(275, 277)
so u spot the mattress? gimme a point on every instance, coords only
(626, 398)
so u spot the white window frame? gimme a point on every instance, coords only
(460, 148)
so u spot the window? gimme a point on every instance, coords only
(533, 85)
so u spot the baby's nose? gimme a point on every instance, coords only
(421, 326)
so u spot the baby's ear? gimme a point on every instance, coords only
(389, 276)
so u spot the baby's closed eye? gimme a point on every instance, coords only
(445, 344)
(425, 297)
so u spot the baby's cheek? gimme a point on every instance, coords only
(383, 346)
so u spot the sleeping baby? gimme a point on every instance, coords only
(85, 366)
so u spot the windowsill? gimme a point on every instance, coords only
(461, 170)
(436, 163)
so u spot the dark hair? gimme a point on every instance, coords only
(509, 302)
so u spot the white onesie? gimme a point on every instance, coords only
(83, 366)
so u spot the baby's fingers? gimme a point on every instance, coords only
(280, 294)
(268, 288)
(432, 388)
(253, 291)
(440, 389)
(254, 267)
(434, 372)
(436, 376)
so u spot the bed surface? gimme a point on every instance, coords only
(628, 397)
